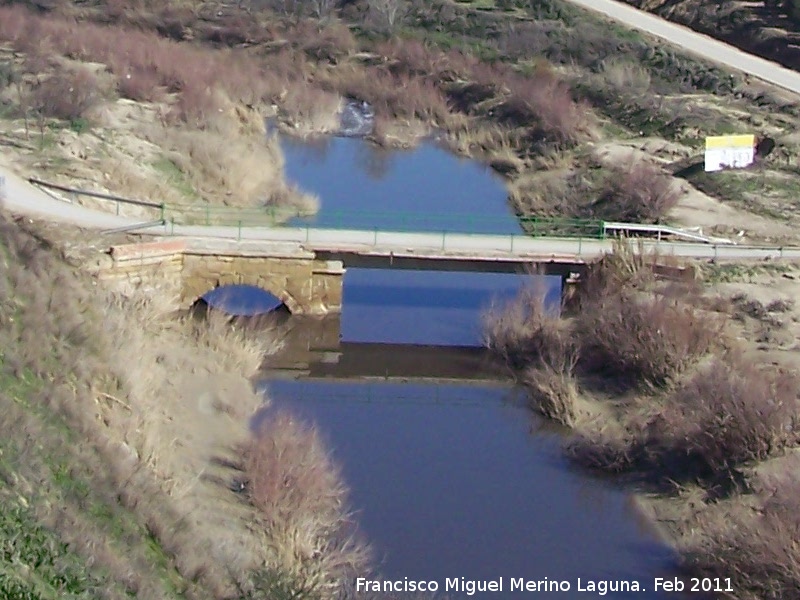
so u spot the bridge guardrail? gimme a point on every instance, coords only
(389, 221)
(444, 224)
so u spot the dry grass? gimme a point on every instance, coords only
(128, 419)
(757, 548)
(730, 413)
(538, 345)
(232, 168)
(297, 488)
(624, 328)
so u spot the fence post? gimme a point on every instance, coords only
(512, 236)
(163, 212)
(444, 233)
(375, 236)
(239, 234)
(117, 208)
(580, 246)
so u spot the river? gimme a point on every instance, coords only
(451, 476)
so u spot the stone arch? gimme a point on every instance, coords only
(305, 285)
(192, 296)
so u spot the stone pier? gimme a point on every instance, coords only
(306, 284)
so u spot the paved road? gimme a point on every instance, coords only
(23, 198)
(695, 43)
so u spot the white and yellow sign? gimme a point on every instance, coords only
(730, 152)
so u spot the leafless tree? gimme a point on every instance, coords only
(387, 14)
(322, 9)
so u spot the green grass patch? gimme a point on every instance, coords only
(175, 177)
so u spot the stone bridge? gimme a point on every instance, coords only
(303, 282)
(308, 280)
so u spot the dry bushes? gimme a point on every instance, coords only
(297, 488)
(730, 413)
(636, 339)
(67, 94)
(146, 66)
(535, 342)
(757, 549)
(153, 411)
(637, 193)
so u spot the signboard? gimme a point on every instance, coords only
(729, 152)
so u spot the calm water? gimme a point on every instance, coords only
(450, 476)
(425, 190)
(455, 478)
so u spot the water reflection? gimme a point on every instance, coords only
(427, 189)
(241, 300)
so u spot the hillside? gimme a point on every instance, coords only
(126, 462)
(575, 114)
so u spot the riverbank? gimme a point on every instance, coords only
(127, 465)
(688, 391)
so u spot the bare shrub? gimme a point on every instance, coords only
(543, 100)
(67, 94)
(637, 193)
(625, 77)
(638, 338)
(297, 488)
(524, 331)
(728, 414)
(386, 15)
(534, 341)
(757, 549)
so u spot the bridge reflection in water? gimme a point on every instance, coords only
(313, 352)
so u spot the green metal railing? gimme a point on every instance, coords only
(386, 220)
(451, 222)
(562, 227)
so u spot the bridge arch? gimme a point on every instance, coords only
(282, 296)
(304, 284)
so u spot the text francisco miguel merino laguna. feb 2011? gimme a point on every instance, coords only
(601, 587)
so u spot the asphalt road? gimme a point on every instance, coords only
(695, 43)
